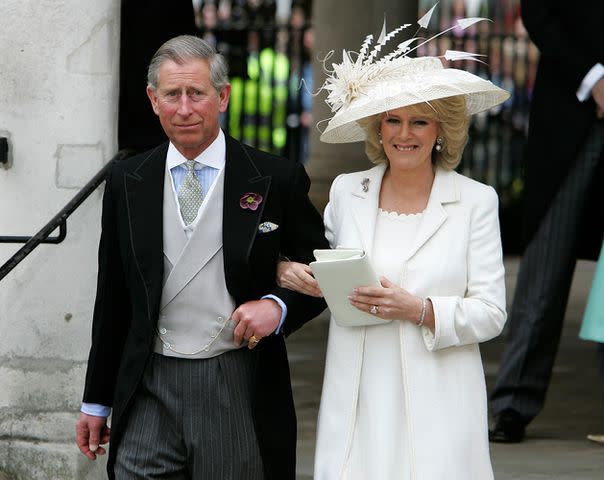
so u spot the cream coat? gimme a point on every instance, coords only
(456, 261)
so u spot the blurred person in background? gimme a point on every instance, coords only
(563, 201)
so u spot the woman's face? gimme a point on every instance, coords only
(408, 136)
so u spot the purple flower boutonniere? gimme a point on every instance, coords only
(250, 201)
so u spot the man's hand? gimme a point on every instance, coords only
(257, 318)
(91, 432)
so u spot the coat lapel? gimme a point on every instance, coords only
(144, 195)
(239, 225)
(364, 205)
(443, 191)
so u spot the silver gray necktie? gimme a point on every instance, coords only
(190, 195)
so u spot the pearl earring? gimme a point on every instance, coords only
(380, 137)
(439, 144)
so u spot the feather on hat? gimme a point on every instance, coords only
(369, 85)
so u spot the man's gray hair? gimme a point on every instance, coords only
(188, 47)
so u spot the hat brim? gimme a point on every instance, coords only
(423, 87)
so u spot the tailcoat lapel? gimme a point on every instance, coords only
(239, 225)
(144, 203)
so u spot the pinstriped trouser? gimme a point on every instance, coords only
(542, 290)
(192, 420)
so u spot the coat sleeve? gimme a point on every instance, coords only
(480, 314)
(303, 232)
(111, 316)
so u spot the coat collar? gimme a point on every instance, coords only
(444, 190)
(366, 193)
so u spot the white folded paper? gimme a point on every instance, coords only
(339, 272)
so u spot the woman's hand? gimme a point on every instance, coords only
(391, 302)
(298, 277)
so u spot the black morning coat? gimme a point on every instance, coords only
(130, 280)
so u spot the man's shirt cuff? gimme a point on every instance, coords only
(283, 311)
(595, 73)
(95, 409)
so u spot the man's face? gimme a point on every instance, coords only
(188, 106)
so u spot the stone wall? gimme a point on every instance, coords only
(59, 84)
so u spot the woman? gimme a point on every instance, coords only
(407, 399)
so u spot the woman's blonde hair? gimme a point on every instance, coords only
(453, 123)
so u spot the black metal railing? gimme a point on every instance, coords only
(59, 220)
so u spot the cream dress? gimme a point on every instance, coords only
(380, 451)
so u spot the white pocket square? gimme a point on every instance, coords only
(266, 227)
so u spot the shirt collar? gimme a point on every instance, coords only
(213, 156)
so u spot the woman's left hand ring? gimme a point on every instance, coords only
(253, 340)
(374, 310)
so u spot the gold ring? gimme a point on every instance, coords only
(253, 340)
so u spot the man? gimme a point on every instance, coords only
(191, 235)
(565, 158)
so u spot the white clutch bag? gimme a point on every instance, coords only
(338, 272)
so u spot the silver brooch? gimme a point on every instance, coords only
(365, 184)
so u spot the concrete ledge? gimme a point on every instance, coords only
(20, 460)
(38, 427)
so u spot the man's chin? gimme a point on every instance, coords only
(189, 149)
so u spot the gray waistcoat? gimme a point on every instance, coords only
(194, 318)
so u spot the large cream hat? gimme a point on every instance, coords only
(370, 85)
